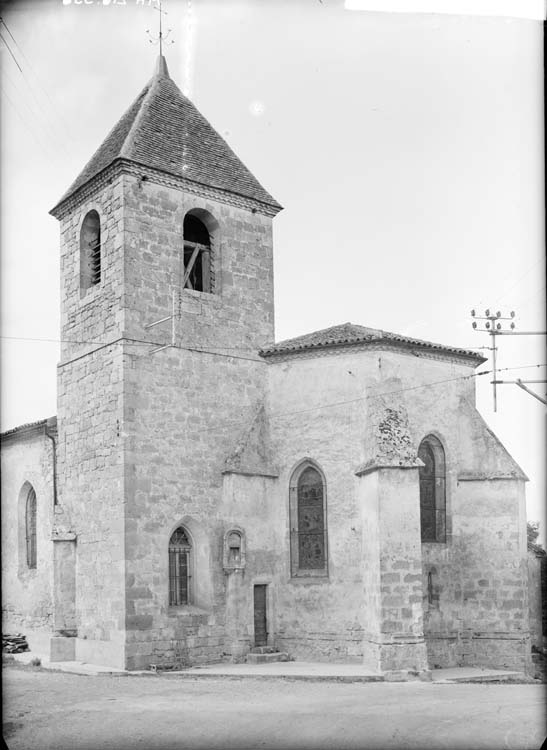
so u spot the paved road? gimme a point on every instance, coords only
(59, 711)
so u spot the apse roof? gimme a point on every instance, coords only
(348, 334)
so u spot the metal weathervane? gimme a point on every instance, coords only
(161, 38)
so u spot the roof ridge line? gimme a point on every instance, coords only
(130, 137)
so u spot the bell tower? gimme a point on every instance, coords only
(166, 299)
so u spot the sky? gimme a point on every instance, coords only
(406, 148)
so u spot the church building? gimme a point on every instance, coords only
(204, 490)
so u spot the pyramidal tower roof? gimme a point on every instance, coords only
(163, 130)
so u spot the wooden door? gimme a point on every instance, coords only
(261, 626)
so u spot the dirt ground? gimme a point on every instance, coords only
(45, 710)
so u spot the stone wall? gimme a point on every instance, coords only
(182, 408)
(480, 615)
(91, 471)
(319, 618)
(536, 591)
(90, 415)
(27, 605)
(207, 434)
(238, 316)
(479, 612)
(92, 317)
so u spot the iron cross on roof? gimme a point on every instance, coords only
(160, 38)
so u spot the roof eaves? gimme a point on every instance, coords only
(28, 429)
(392, 339)
(58, 210)
(91, 169)
(270, 209)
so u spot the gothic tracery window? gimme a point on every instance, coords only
(180, 564)
(308, 523)
(432, 490)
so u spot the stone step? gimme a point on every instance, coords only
(267, 658)
(477, 674)
(263, 650)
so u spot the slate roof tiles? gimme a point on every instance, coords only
(163, 130)
(348, 334)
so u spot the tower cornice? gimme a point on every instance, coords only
(124, 166)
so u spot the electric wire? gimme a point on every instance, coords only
(518, 282)
(317, 407)
(45, 116)
(42, 145)
(105, 343)
(10, 51)
(214, 350)
(228, 424)
(154, 343)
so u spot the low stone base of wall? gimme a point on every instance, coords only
(327, 647)
(38, 641)
(443, 650)
(104, 653)
(395, 656)
(174, 654)
(498, 650)
(189, 637)
(62, 648)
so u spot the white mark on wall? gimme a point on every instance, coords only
(257, 108)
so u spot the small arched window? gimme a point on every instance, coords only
(308, 522)
(432, 490)
(30, 528)
(197, 262)
(234, 550)
(180, 564)
(90, 251)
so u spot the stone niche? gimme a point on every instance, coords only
(234, 553)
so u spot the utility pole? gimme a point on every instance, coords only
(493, 326)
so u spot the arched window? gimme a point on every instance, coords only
(30, 528)
(90, 251)
(234, 547)
(308, 520)
(234, 550)
(432, 490)
(198, 272)
(180, 563)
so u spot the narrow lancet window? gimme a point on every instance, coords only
(90, 251)
(432, 490)
(180, 551)
(30, 528)
(308, 523)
